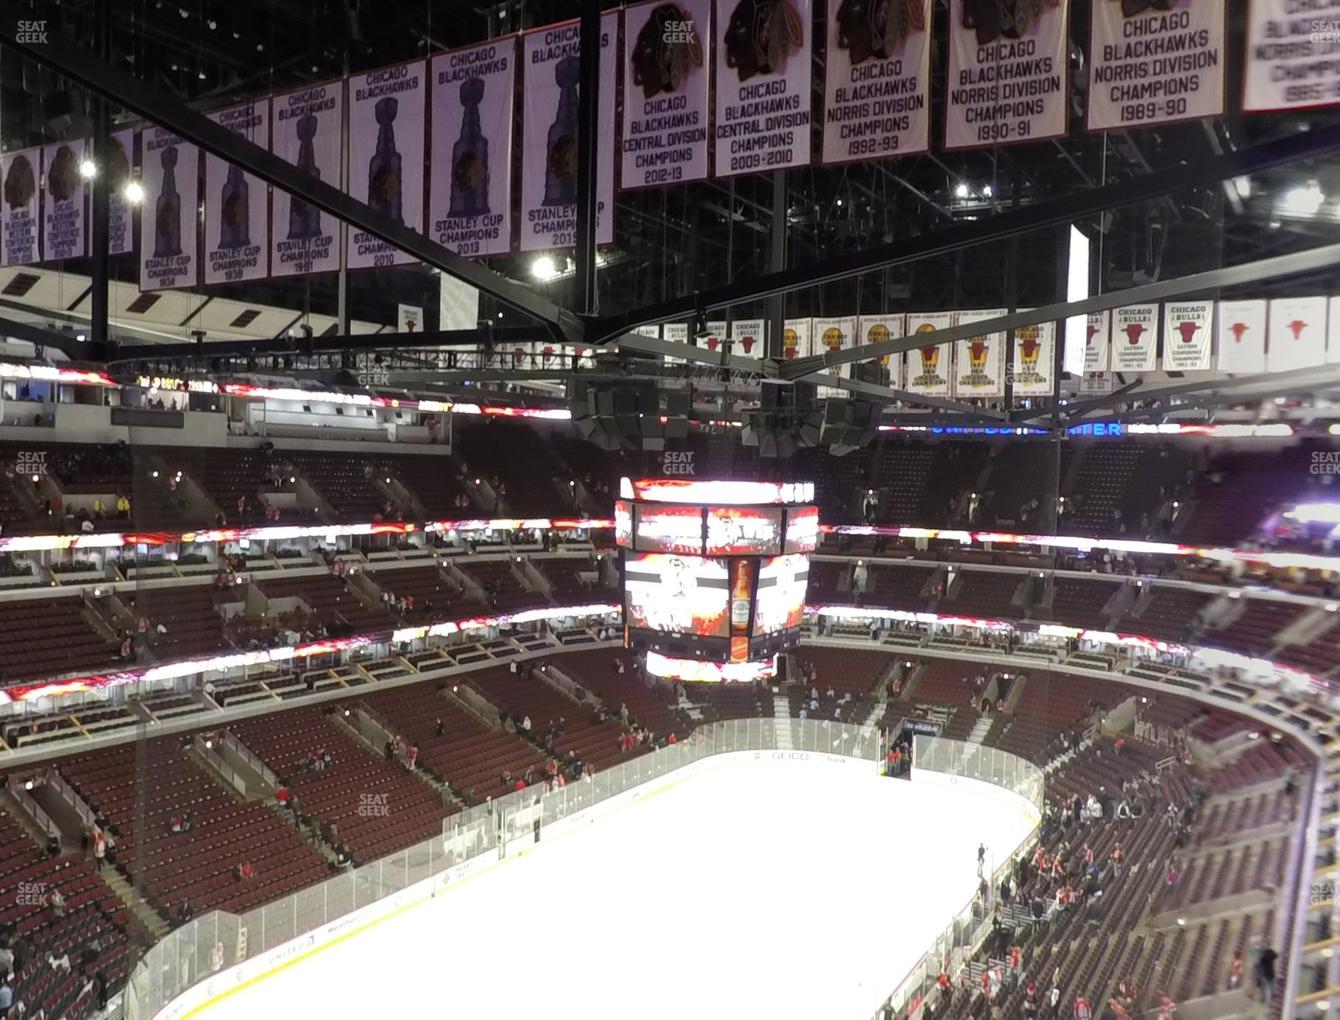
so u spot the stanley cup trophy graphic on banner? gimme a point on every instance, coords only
(235, 211)
(384, 167)
(304, 222)
(560, 170)
(167, 213)
(470, 157)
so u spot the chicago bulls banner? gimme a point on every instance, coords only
(1296, 336)
(1034, 359)
(1155, 61)
(928, 367)
(1242, 336)
(1187, 328)
(677, 333)
(1135, 334)
(717, 331)
(307, 130)
(833, 335)
(763, 69)
(667, 54)
(1291, 61)
(749, 338)
(63, 215)
(1007, 72)
(237, 205)
(19, 214)
(979, 361)
(871, 329)
(169, 213)
(877, 93)
(795, 339)
(1096, 341)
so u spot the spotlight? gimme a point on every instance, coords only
(987, 191)
(961, 191)
(544, 268)
(88, 169)
(134, 192)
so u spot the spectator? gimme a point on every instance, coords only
(439, 730)
(57, 903)
(1264, 972)
(6, 997)
(411, 756)
(1235, 970)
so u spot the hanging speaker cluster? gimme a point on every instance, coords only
(848, 425)
(786, 420)
(628, 415)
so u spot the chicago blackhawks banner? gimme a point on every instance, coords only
(763, 70)
(871, 329)
(386, 130)
(168, 217)
(979, 360)
(306, 130)
(19, 219)
(1135, 335)
(1296, 336)
(1291, 62)
(1154, 62)
(665, 95)
(1096, 341)
(1242, 336)
(928, 368)
(549, 135)
(876, 80)
(63, 214)
(470, 207)
(117, 165)
(1007, 74)
(833, 334)
(237, 208)
(749, 337)
(1187, 328)
(795, 339)
(1034, 359)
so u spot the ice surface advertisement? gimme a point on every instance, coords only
(1297, 334)
(667, 53)
(1034, 359)
(470, 208)
(386, 132)
(1291, 56)
(749, 337)
(63, 216)
(1007, 74)
(873, 329)
(928, 367)
(979, 360)
(877, 93)
(1151, 63)
(763, 71)
(237, 208)
(1187, 329)
(1242, 336)
(306, 130)
(549, 135)
(1135, 335)
(19, 221)
(119, 166)
(168, 214)
(795, 338)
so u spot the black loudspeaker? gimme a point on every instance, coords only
(628, 415)
(848, 425)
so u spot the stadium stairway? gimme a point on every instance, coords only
(781, 711)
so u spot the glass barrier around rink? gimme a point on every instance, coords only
(202, 949)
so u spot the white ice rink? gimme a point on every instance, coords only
(778, 889)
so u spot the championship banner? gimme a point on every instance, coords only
(1241, 327)
(1333, 333)
(237, 208)
(928, 368)
(665, 94)
(1034, 360)
(676, 333)
(1095, 384)
(306, 130)
(63, 214)
(1155, 62)
(1187, 329)
(170, 171)
(1296, 337)
(1007, 82)
(749, 338)
(1096, 340)
(763, 70)
(470, 205)
(795, 338)
(872, 329)
(979, 360)
(1291, 57)
(386, 152)
(1135, 335)
(716, 335)
(876, 80)
(19, 219)
(549, 135)
(833, 334)
(119, 166)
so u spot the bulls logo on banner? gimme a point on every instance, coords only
(873, 329)
(716, 335)
(1034, 359)
(1187, 331)
(1135, 334)
(1297, 333)
(978, 359)
(795, 339)
(748, 337)
(1096, 341)
(1242, 336)
(928, 368)
(677, 333)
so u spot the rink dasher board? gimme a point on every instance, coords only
(198, 999)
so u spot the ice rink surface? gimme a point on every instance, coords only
(785, 890)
